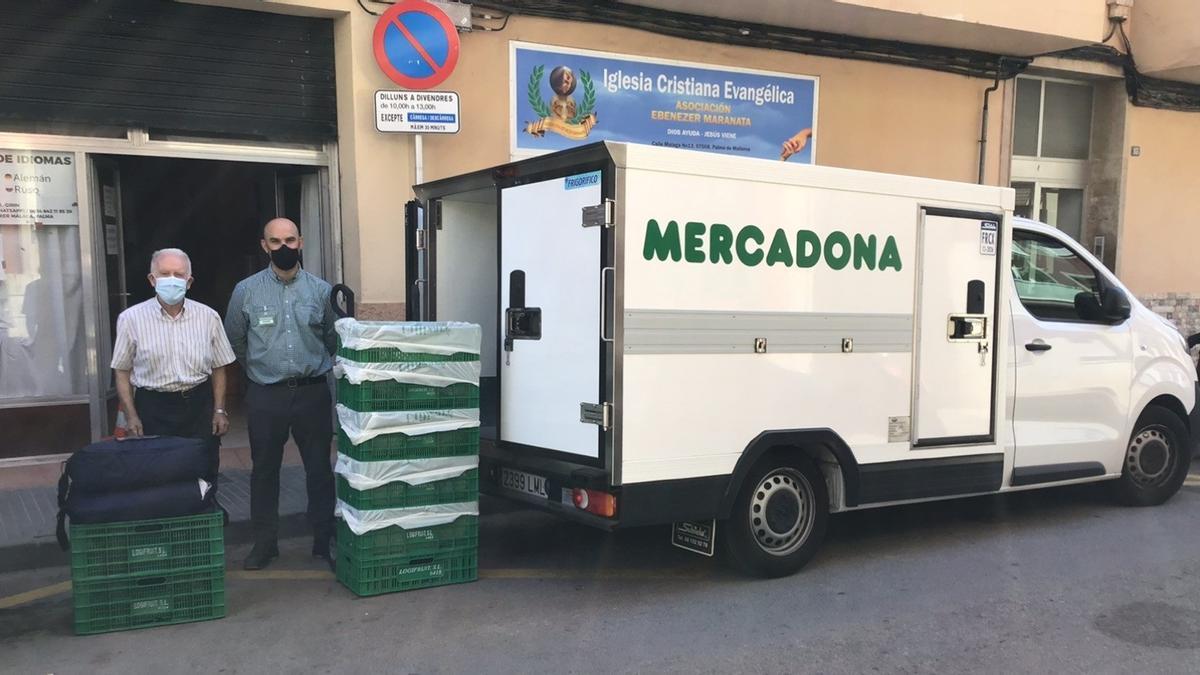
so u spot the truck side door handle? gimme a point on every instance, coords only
(1037, 346)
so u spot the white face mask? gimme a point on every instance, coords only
(170, 289)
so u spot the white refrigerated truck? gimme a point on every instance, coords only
(741, 347)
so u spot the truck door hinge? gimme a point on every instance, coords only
(421, 239)
(599, 414)
(600, 215)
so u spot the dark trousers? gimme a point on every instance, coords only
(187, 414)
(306, 412)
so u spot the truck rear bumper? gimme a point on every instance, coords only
(638, 504)
(559, 475)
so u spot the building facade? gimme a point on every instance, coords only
(189, 124)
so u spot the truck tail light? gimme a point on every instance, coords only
(595, 501)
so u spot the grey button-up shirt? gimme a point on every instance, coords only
(281, 330)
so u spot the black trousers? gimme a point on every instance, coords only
(306, 413)
(187, 414)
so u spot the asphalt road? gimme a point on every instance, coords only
(1055, 581)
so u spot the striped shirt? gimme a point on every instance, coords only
(169, 353)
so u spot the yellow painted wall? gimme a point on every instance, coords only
(871, 116)
(1079, 19)
(1160, 225)
(1166, 38)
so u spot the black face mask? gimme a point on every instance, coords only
(285, 258)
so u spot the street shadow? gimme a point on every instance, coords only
(514, 536)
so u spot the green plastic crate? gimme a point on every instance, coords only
(393, 355)
(394, 541)
(464, 488)
(389, 395)
(457, 443)
(146, 547)
(123, 603)
(366, 577)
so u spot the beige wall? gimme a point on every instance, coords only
(1161, 224)
(871, 116)
(1015, 27)
(1166, 38)
(1076, 19)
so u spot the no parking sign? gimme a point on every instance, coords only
(416, 44)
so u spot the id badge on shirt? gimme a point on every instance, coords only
(264, 316)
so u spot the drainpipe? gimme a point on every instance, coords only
(983, 131)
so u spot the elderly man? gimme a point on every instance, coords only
(280, 323)
(173, 351)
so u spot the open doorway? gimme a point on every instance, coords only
(213, 210)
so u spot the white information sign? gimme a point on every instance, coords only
(987, 237)
(417, 112)
(37, 187)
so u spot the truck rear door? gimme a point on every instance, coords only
(553, 285)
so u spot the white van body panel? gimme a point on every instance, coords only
(726, 300)
(688, 327)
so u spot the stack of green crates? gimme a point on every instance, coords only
(395, 559)
(148, 573)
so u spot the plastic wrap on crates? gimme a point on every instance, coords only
(427, 374)
(414, 517)
(422, 337)
(370, 475)
(361, 427)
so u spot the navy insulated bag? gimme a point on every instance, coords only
(135, 479)
(118, 466)
(161, 501)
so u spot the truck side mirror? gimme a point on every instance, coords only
(1116, 305)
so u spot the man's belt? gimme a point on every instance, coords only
(293, 382)
(200, 389)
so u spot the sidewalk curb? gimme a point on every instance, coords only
(38, 554)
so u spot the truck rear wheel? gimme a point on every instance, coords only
(779, 517)
(1156, 459)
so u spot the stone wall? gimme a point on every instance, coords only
(1182, 309)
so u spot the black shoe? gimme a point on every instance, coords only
(260, 556)
(323, 547)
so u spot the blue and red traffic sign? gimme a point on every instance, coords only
(416, 44)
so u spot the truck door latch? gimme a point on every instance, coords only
(966, 327)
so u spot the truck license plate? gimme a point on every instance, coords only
(511, 479)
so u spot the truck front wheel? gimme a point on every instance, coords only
(779, 517)
(1156, 460)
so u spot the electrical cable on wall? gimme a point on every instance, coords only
(367, 10)
(966, 62)
(489, 17)
(1143, 90)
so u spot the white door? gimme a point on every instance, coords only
(956, 329)
(1073, 367)
(550, 338)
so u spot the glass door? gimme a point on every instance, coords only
(1057, 206)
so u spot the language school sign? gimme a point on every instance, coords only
(564, 97)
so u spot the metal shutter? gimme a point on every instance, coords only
(169, 66)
